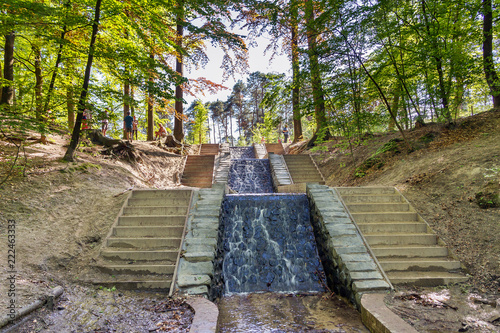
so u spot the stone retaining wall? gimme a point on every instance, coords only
(279, 172)
(196, 268)
(349, 268)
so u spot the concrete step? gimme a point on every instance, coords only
(389, 227)
(296, 157)
(159, 202)
(144, 243)
(401, 239)
(419, 264)
(308, 180)
(375, 190)
(161, 220)
(157, 194)
(209, 149)
(135, 283)
(137, 269)
(198, 184)
(148, 231)
(378, 207)
(425, 279)
(385, 217)
(148, 211)
(116, 255)
(199, 171)
(195, 177)
(384, 251)
(276, 148)
(303, 172)
(348, 199)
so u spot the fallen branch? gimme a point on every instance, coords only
(125, 191)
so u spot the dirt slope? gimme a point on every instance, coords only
(448, 177)
(63, 212)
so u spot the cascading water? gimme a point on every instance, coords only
(241, 152)
(250, 175)
(267, 245)
(266, 241)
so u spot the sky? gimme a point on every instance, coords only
(258, 61)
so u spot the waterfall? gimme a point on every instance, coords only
(250, 175)
(242, 152)
(266, 243)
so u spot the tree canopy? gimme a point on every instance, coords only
(356, 66)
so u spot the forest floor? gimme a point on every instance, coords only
(63, 212)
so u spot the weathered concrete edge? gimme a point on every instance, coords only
(378, 318)
(202, 268)
(206, 314)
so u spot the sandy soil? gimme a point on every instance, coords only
(63, 211)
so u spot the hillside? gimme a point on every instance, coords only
(64, 211)
(443, 178)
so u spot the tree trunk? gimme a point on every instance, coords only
(297, 123)
(213, 125)
(71, 108)
(439, 68)
(151, 123)
(41, 116)
(54, 74)
(75, 137)
(489, 67)
(316, 84)
(126, 105)
(395, 106)
(179, 68)
(8, 69)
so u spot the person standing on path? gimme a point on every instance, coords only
(285, 133)
(104, 123)
(135, 123)
(128, 122)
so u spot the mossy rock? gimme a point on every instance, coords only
(489, 197)
(428, 137)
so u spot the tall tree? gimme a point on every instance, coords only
(314, 67)
(488, 63)
(75, 137)
(294, 29)
(179, 68)
(8, 69)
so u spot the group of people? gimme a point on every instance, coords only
(130, 125)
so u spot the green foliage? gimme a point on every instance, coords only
(200, 127)
(112, 289)
(376, 160)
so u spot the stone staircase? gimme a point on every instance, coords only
(198, 171)
(209, 149)
(406, 247)
(142, 248)
(276, 148)
(260, 150)
(303, 170)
